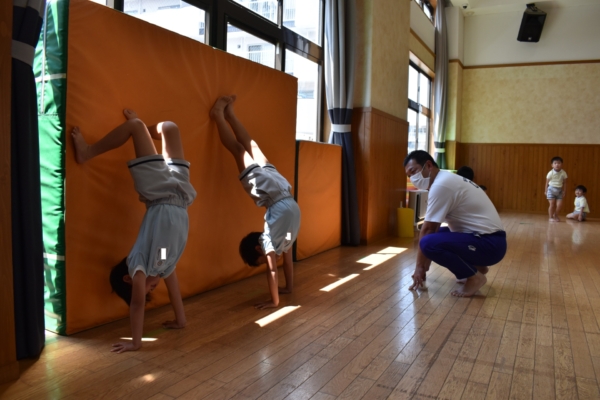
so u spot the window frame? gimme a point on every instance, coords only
(420, 109)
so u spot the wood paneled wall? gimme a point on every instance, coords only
(515, 174)
(380, 143)
(9, 368)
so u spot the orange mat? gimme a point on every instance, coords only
(319, 195)
(117, 61)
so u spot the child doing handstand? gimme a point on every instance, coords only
(268, 189)
(163, 184)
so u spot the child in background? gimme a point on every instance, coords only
(581, 205)
(163, 183)
(268, 189)
(556, 182)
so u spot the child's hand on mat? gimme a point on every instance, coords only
(122, 347)
(265, 304)
(173, 325)
(283, 290)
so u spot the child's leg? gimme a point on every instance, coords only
(572, 216)
(242, 134)
(168, 132)
(227, 136)
(133, 127)
(552, 208)
(558, 207)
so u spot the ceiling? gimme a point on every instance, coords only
(474, 7)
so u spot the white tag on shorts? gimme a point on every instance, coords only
(163, 253)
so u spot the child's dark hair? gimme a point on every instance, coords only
(248, 250)
(582, 188)
(466, 172)
(557, 158)
(119, 286)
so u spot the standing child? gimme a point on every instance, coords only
(581, 205)
(268, 189)
(556, 182)
(163, 183)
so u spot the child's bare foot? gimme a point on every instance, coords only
(472, 285)
(229, 112)
(129, 114)
(82, 149)
(218, 109)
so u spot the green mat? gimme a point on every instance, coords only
(50, 67)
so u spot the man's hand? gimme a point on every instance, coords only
(265, 304)
(122, 347)
(173, 325)
(419, 278)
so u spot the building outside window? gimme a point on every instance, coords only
(174, 15)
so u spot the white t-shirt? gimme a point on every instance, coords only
(556, 178)
(462, 204)
(581, 204)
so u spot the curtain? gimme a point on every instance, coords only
(339, 81)
(28, 262)
(440, 85)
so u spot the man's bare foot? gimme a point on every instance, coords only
(556, 219)
(82, 149)
(483, 270)
(552, 220)
(218, 109)
(472, 285)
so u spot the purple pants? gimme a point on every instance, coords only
(462, 252)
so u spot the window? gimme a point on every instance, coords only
(265, 8)
(419, 109)
(283, 34)
(427, 8)
(307, 73)
(174, 15)
(250, 47)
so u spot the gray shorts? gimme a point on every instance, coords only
(554, 193)
(164, 186)
(156, 178)
(584, 214)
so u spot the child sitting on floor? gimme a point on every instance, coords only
(268, 189)
(163, 183)
(581, 205)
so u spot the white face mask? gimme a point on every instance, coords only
(419, 181)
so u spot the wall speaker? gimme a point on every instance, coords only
(531, 24)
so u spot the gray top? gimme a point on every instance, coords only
(265, 184)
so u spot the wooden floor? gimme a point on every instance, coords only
(533, 333)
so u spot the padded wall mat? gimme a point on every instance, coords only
(116, 61)
(319, 195)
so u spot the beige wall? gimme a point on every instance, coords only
(421, 51)
(383, 29)
(532, 104)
